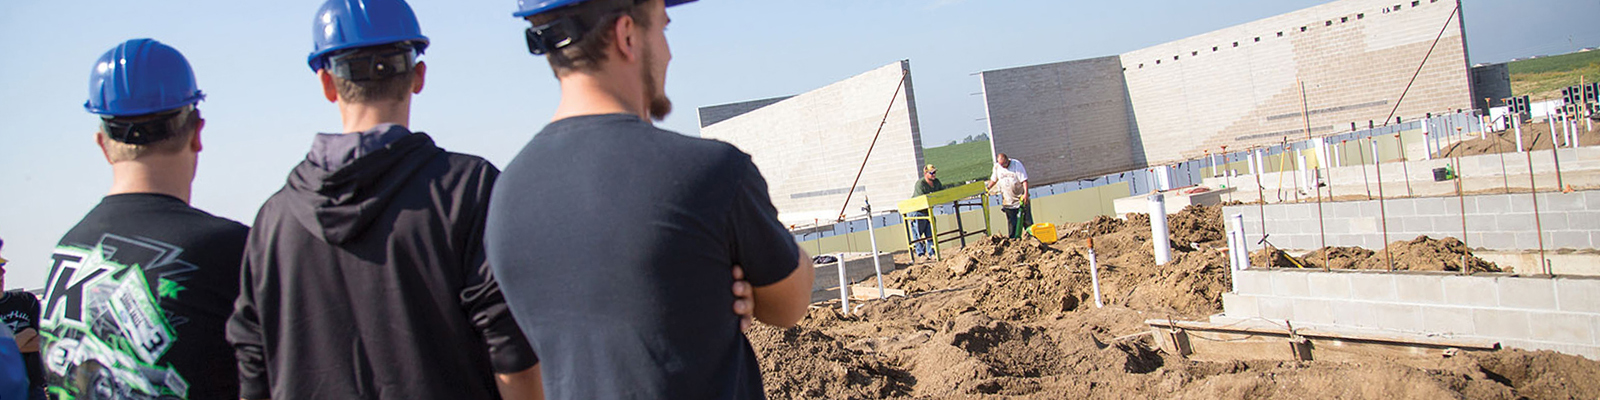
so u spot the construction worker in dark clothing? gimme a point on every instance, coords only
(140, 290)
(620, 291)
(929, 183)
(365, 276)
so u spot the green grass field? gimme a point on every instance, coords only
(959, 163)
(1543, 78)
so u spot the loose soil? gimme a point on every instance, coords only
(1017, 319)
(1420, 254)
(1535, 136)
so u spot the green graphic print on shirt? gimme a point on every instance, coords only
(103, 324)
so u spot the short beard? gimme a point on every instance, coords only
(660, 105)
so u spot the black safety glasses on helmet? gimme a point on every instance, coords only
(146, 131)
(564, 31)
(361, 65)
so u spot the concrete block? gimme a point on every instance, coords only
(1428, 206)
(1400, 317)
(1472, 204)
(1370, 209)
(1329, 285)
(1553, 221)
(1316, 311)
(1563, 202)
(1447, 320)
(1416, 225)
(1352, 314)
(1575, 240)
(1253, 282)
(1514, 222)
(1400, 208)
(1289, 283)
(1275, 308)
(1503, 324)
(1561, 327)
(1421, 289)
(1276, 212)
(1529, 241)
(1499, 204)
(1527, 293)
(1482, 223)
(1451, 224)
(1344, 210)
(1578, 294)
(1591, 200)
(1364, 225)
(1584, 221)
(1497, 240)
(1240, 306)
(1470, 291)
(1372, 287)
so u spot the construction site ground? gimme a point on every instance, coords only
(1006, 318)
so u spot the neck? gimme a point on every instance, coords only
(360, 117)
(601, 92)
(169, 175)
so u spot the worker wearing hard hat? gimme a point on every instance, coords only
(365, 277)
(621, 293)
(1010, 180)
(928, 183)
(141, 288)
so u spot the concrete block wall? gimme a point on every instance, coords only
(1064, 120)
(1535, 313)
(810, 146)
(1494, 222)
(1354, 57)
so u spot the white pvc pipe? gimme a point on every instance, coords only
(844, 287)
(1094, 275)
(876, 268)
(1427, 142)
(1233, 247)
(1516, 123)
(1158, 228)
(1244, 245)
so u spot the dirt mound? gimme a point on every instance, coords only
(1006, 318)
(1420, 254)
(1428, 254)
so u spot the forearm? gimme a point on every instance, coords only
(525, 385)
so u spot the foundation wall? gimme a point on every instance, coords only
(1535, 313)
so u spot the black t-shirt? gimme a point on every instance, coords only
(614, 241)
(365, 278)
(138, 295)
(19, 311)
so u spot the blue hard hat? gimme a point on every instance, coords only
(349, 24)
(526, 8)
(141, 76)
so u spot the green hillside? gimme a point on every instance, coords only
(1543, 78)
(960, 163)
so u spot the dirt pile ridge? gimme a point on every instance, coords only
(1007, 318)
(1420, 254)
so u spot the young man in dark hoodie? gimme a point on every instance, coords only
(365, 277)
(139, 291)
(19, 315)
(613, 237)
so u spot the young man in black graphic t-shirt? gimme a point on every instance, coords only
(19, 314)
(139, 291)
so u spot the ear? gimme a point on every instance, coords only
(329, 91)
(100, 140)
(628, 42)
(422, 75)
(194, 141)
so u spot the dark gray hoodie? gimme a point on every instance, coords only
(365, 278)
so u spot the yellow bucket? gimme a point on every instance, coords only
(1044, 231)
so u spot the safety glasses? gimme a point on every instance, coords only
(358, 66)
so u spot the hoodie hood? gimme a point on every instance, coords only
(348, 180)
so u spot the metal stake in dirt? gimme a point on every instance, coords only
(1405, 169)
(1362, 156)
(1383, 215)
(1533, 191)
(1094, 275)
(1261, 197)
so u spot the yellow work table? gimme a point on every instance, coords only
(951, 195)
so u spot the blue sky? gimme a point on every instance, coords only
(485, 95)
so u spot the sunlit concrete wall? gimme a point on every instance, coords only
(810, 146)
